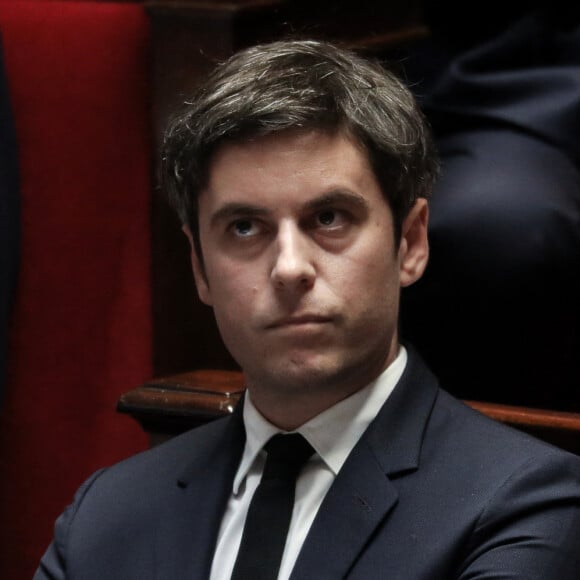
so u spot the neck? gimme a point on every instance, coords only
(288, 406)
(289, 413)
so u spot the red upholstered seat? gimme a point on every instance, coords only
(78, 79)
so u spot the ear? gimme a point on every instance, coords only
(199, 276)
(414, 246)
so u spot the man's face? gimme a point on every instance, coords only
(301, 265)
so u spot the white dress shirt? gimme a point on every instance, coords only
(333, 434)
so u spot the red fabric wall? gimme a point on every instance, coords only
(81, 334)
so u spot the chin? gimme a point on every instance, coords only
(309, 373)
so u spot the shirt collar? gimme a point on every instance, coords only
(334, 432)
(258, 432)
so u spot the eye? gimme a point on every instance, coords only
(331, 219)
(245, 228)
(326, 218)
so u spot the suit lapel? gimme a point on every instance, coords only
(358, 501)
(188, 532)
(364, 493)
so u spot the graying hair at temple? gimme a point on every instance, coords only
(301, 84)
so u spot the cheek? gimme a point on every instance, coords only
(369, 267)
(233, 287)
(370, 285)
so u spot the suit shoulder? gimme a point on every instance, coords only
(482, 436)
(165, 462)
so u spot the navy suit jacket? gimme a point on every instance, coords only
(432, 491)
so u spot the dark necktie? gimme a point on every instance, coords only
(270, 511)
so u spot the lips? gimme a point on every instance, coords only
(299, 320)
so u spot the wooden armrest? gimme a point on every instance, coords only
(170, 405)
(557, 427)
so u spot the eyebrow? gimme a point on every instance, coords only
(338, 197)
(335, 197)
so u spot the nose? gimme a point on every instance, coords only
(293, 266)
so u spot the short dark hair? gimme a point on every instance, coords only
(298, 84)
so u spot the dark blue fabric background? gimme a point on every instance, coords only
(497, 314)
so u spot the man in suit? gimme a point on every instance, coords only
(300, 172)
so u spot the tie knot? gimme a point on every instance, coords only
(287, 454)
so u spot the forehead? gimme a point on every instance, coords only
(288, 166)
